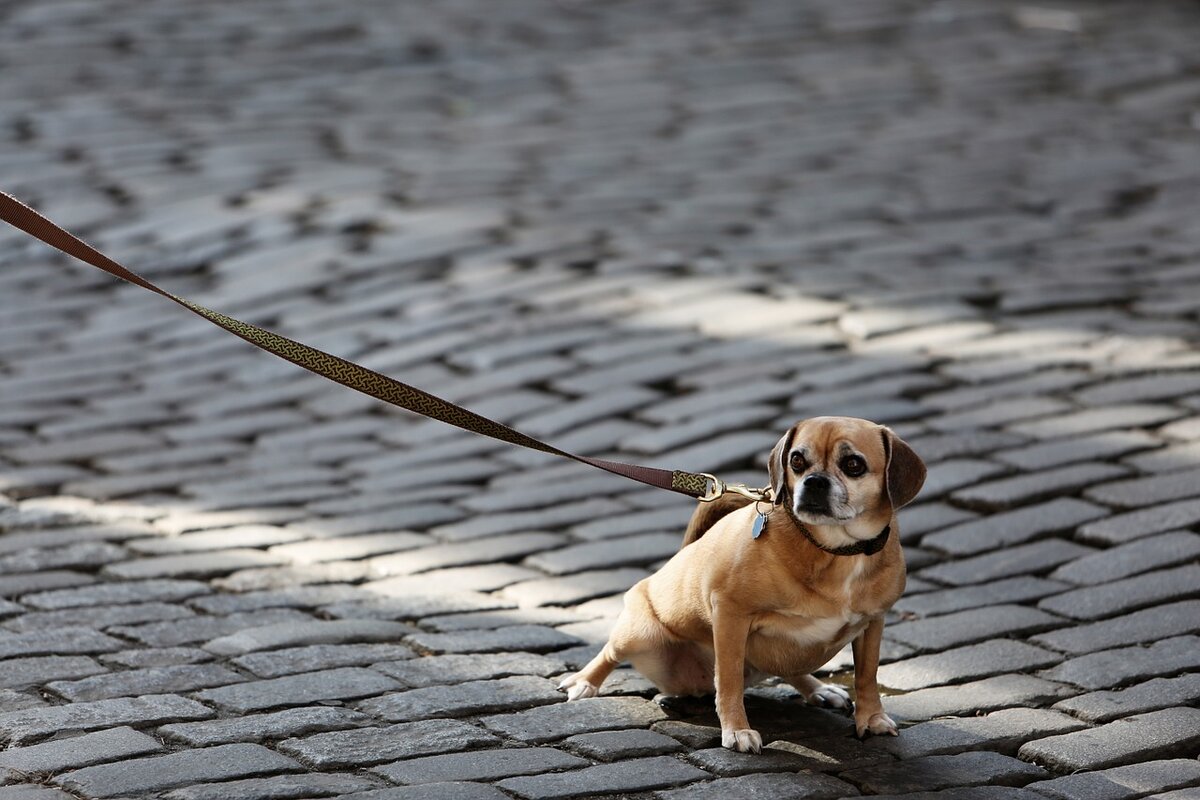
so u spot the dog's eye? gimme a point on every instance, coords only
(854, 466)
(799, 462)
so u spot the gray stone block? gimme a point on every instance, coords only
(29, 725)
(311, 687)
(966, 627)
(1122, 783)
(439, 670)
(1013, 527)
(476, 697)
(636, 775)
(1026, 488)
(309, 784)
(293, 634)
(1158, 734)
(155, 680)
(530, 638)
(167, 591)
(480, 765)
(1151, 552)
(20, 673)
(365, 746)
(989, 694)
(1036, 557)
(277, 663)
(1149, 625)
(1096, 447)
(142, 775)
(260, 727)
(1003, 731)
(1130, 594)
(78, 751)
(1110, 668)
(1149, 696)
(1131, 525)
(1006, 590)
(57, 641)
(965, 663)
(941, 772)
(614, 745)
(769, 786)
(582, 716)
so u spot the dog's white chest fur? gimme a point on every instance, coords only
(814, 631)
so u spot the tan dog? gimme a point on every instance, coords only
(824, 569)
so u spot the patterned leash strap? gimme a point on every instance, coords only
(347, 373)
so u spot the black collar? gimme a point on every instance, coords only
(863, 547)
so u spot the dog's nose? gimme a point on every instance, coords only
(816, 483)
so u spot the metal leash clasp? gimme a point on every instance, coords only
(720, 487)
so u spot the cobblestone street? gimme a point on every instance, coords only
(654, 232)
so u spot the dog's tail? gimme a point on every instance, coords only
(707, 514)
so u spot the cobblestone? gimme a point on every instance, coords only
(988, 694)
(1004, 731)
(29, 725)
(777, 786)
(635, 775)
(1094, 602)
(79, 751)
(155, 680)
(1116, 667)
(177, 769)
(548, 723)
(1141, 626)
(964, 664)
(1121, 783)
(258, 727)
(938, 772)
(485, 765)
(1149, 696)
(376, 745)
(476, 697)
(1158, 734)
(280, 786)
(335, 684)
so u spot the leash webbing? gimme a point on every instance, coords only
(347, 373)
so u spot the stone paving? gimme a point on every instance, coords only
(658, 231)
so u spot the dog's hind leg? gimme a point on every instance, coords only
(587, 682)
(635, 632)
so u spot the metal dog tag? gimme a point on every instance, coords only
(760, 521)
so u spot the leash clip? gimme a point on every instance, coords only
(720, 487)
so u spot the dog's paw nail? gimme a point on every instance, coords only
(879, 724)
(744, 740)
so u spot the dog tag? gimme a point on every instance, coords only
(760, 521)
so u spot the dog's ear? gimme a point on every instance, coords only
(777, 466)
(905, 470)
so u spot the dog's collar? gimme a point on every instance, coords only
(863, 547)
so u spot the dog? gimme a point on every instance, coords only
(777, 587)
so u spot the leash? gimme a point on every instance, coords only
(700, 485)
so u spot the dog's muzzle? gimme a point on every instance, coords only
(814, 494)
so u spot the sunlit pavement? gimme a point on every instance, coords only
(660, 232)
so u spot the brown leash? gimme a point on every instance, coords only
(359, 378)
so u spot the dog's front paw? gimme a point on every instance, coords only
(577, 688)
(878, 723)
(743, 741)
(828, 696)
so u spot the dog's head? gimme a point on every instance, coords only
(833, 470)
